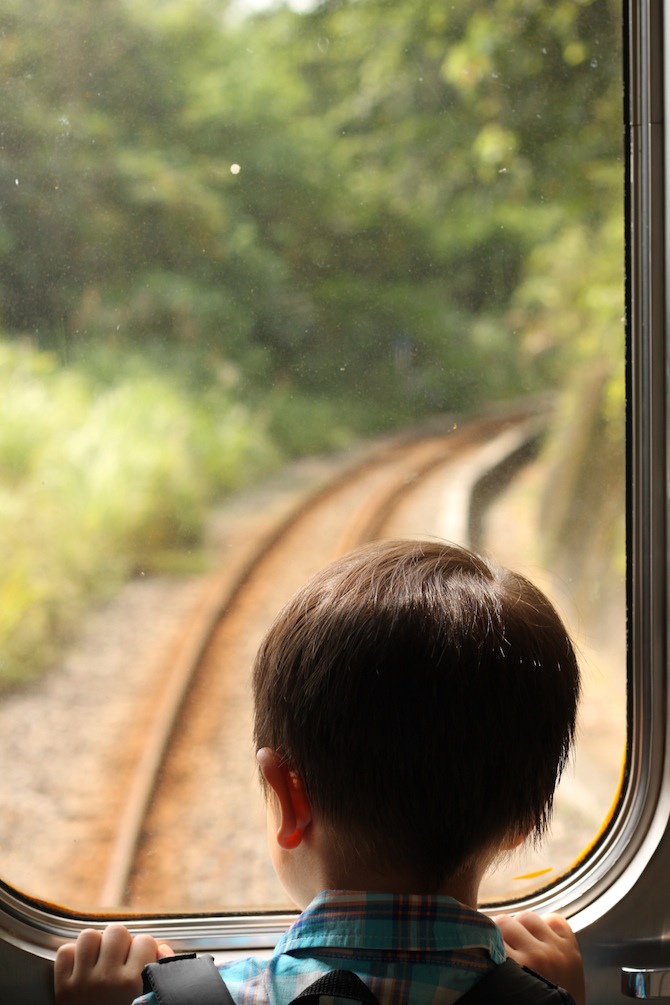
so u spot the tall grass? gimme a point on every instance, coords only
(107, 466)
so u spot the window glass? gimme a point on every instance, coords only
(274, 280)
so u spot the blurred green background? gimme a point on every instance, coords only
(231, 237)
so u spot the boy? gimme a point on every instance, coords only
(414, 710)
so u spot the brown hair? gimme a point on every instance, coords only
(427, 700)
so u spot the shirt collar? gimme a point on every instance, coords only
(385, 921)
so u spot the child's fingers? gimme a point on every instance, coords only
(87, 949)
(104, 967)
(559, 925)
(529, 931)
(537, 924)
(64, 965)
(522, 930)
(164, 950)
(115, 947)
(548, 946)
(144, 949)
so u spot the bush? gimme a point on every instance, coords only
(103, 472)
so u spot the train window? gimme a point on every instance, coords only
(276, 279)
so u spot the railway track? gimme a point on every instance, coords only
(191, 829)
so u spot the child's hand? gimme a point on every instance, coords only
(104, 968)
(548, 946)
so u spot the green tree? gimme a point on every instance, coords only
(344, 201)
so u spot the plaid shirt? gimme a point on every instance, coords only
(407, 949)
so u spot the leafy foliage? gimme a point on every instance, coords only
(107, 471)
(396, 164)
(244, 234)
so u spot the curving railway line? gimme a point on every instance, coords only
(167, 813)
(193, 820)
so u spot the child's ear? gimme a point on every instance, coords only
(295, 812)
(513, 841)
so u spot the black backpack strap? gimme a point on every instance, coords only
(512, 983)
(337, 984)
(195, 980)
(186, 980)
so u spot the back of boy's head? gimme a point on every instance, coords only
(426, 699)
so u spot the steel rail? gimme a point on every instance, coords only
(492, 450)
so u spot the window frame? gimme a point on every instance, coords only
(606, 875)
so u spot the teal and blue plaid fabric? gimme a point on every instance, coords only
(409, 950)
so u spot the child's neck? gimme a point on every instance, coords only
(323, 861)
